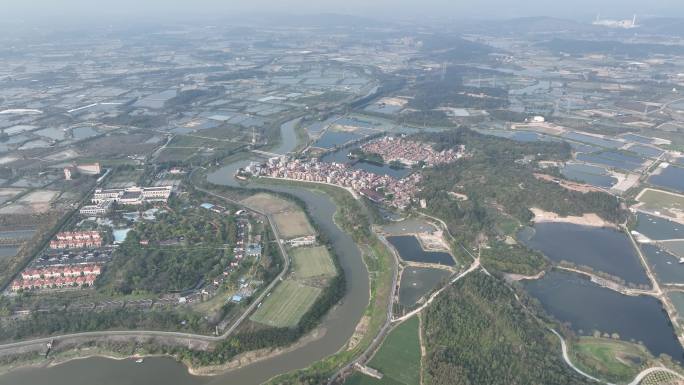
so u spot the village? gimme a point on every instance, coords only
(410, 152)
(380, 188)
(397, 193)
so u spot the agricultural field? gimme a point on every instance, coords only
(313, 262)
(36, 202)
(660, 378)
(124, 177)
(610, 359)
(293, 224)
(9, 193)
(398, 358)
(286, 305)
(176, 154)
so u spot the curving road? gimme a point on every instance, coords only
(175, 335)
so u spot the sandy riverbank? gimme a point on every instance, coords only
(588, 219)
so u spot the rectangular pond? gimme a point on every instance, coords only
(647, 151)
(593, 175)
(613, 159)
(602, 142)
(332, 139)
(657, 228)
(665, 265)
(671, 178)
(409, 249)
(416, 282)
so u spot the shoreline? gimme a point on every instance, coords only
(237, 362)
(587, 219)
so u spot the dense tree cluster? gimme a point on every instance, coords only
(498, 179)
(62, 322)
(173, 253)
(476, 333)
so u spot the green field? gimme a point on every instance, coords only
(270, 204)
(286, 305)
(661, 200)
(398, 358)
(313, 262)
(609, 359)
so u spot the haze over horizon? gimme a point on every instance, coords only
(585, 10)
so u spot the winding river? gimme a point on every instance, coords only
(336, 327)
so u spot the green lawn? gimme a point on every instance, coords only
(286, 305)
(610, 359)
(313, 262)
(661, 200)
(398, 358)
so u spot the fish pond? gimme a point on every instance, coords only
(588, 307)
(602, 249)
(409, 249)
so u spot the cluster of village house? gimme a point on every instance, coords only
(76, 240)
(57, 277)
(63, 275)
(380, 188)
(410, 152)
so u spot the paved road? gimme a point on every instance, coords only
(179, 335)
(566, 357)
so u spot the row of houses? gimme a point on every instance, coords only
(61, 271)
(53, 283)
(76, 240)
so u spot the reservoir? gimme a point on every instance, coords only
(588, 307)
(410, 249)
(602, 249)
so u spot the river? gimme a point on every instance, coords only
(338, 324)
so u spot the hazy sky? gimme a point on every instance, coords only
(578, 9)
